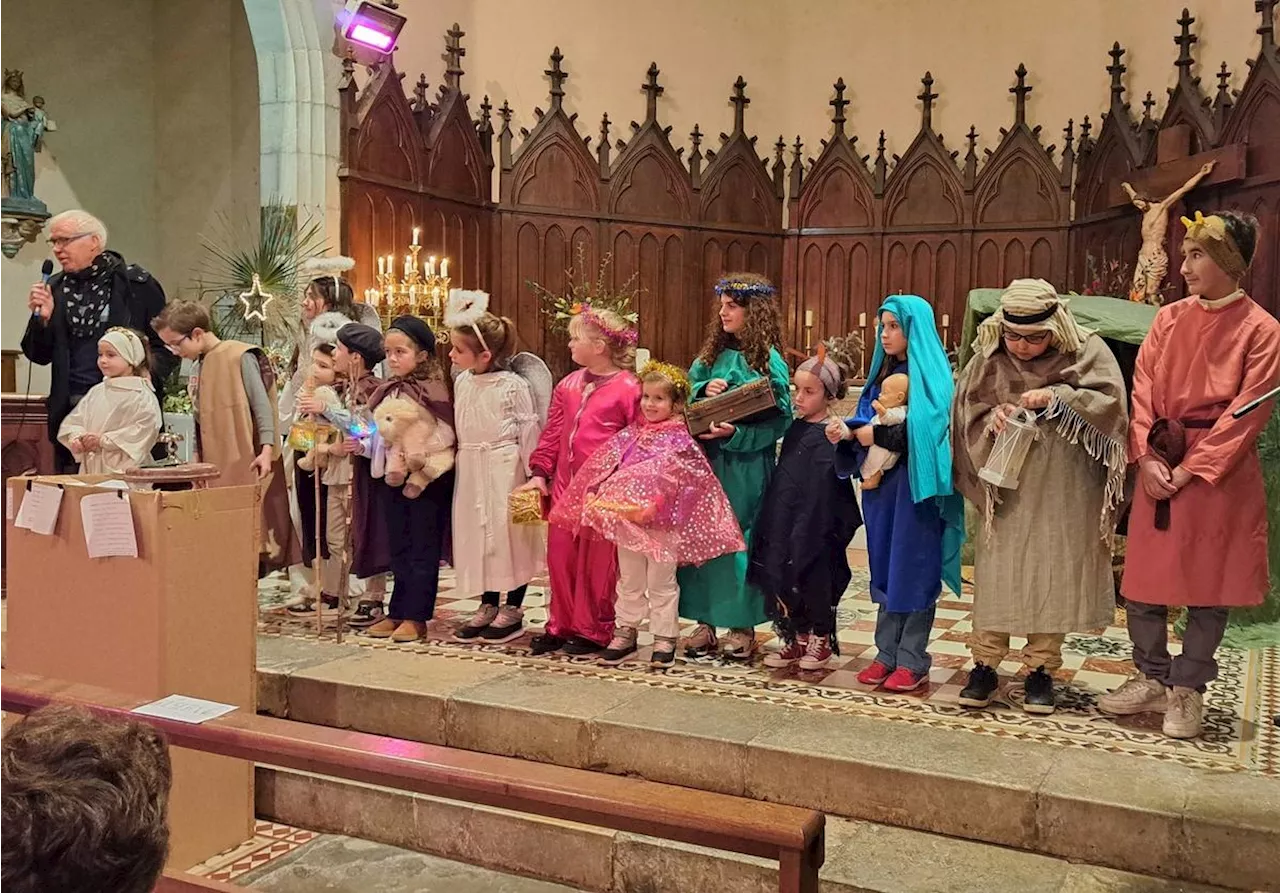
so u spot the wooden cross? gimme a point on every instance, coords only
(927, 96)
(653, 90)
(420, 93)
(486, 108)
(740, 103)
(557, 78)
(1116, 69)
(453, 53)
(839, 104)
(1020, 91)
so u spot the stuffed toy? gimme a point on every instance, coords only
(891, 409)
(419, 447)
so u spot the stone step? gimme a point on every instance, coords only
(861, 857)
(339, 864)
(1126, 812)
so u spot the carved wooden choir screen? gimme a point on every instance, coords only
(859, 228)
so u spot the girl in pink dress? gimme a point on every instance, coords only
(651, 492)
(588, 407)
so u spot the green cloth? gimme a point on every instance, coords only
(1115, 319)
(717, 593)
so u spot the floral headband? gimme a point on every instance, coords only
(626, 337)
(677, 377)
(745, 288)
(1211, 234)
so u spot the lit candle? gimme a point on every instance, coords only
(946, 321)
(415, 235)
(862, 320)
(408, 265)
(431, 265)
(382, 266)
(808, 319)
(444, 268)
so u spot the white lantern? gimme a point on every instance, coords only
(1005, 462)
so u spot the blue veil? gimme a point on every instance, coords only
(928, 419)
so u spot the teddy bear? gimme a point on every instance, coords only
(419, 446)
(317, 454)
(891, 409)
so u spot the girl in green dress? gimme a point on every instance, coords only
(742, 345)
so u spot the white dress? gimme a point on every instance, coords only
(497, 427)
(125, 414)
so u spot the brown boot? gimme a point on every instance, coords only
(383, 629)
(409, 631)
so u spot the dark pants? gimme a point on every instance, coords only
(416, 529)
(903, 639)
(304, 485)
(1149, 632)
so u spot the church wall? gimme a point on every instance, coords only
(156, 103)
(791, 53)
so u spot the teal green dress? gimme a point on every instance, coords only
(717, 593)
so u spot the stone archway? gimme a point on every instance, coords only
(298, 102)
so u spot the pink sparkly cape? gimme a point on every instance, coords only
(650, 489)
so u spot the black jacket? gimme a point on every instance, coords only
(136, 299)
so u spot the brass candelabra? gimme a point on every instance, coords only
(418, 291)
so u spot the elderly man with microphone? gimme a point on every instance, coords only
(73, 308)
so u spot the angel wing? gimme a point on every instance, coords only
(531, 368)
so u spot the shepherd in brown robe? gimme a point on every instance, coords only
(1043, 551)
(234, 397)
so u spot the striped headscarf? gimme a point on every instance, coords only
(1029, 306)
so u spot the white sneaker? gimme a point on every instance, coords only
(1184, 717)
(1139, 694)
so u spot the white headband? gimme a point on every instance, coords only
(127, 344)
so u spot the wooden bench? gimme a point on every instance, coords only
(790, 835)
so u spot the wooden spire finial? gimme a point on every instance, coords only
(740, 103)
(1267, 29)
(558, 77)
(653, 91)
(1185, 41)
(453, 53)
(839, 104)
(927, 96)
(1020, 91)
(1117, 69)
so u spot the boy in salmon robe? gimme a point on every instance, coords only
(1198, 527)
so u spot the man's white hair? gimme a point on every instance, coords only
(81, 222)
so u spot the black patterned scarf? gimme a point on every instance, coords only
(87, 296)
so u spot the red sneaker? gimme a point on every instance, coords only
(788, 655)
(875, 674)
(905, 680)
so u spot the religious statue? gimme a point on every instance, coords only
(1153, 261)
(24, 126)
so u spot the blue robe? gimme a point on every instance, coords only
(904, 537)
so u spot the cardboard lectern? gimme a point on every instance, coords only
(181, 618)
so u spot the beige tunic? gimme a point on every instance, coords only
(125, 415)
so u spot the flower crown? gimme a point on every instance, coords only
(745, 288)
(674, 374)
(627, 337)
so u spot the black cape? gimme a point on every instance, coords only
(806, 523)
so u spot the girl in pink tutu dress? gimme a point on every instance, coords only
(651, 492)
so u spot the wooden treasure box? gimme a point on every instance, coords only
(751, 402)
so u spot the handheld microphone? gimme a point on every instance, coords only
(46, 270)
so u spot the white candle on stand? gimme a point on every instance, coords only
(444, 268)
(415, 235)
(408, 265)
(808, 317)
(431, 265)
(382, 266)
(862, 320)
(946, 321)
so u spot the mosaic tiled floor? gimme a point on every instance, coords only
(1239, 734)
(270, 841)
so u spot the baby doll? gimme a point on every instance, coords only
(891, 409)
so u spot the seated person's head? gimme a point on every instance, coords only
(85, 804)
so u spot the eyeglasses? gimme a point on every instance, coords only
(173, 346)
(1037, 338)
(64, 241)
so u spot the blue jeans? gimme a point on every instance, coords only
(903, 639)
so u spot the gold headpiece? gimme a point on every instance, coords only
(678, 377)
(1211, 234)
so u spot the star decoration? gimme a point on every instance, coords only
(255, 301)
